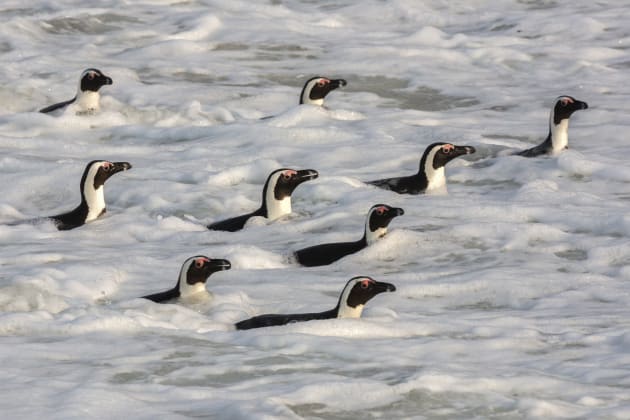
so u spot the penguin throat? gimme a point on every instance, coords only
(346, 311)
(95, 200)
(559, 135)
(277, 208)
(87, 101)
(318, 102)
(373, 236)
(187, 290)
(436, 177)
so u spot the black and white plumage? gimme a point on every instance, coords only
(192, 279)
(87, 98)
(558, 138)
(276, 198)
(316, 88)
(92, 203)
(377, 220)
(431, 175)
(357, 292)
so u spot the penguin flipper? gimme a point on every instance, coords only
(400, 185)
(231, 225)
(325, 254)
(163, 297)
(55, 107)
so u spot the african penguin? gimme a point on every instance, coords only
(357, 292)
(376, 223)
(430, 176)
(316, 88)
(192, 279)
(86, 100)
(558, 138)
(276, 198)
(92, 196)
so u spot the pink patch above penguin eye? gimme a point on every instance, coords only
(448, 148)
(107, 166)
(91, 75)
(365, 284)
(565, 101)
(199, 262)
(323, 82)
(288, 174)
(381, 210)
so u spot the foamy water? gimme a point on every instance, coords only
(512, 290)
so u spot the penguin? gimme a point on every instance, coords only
(92, 196)
(316, 88)
(87, 98)
(376, 223)
(558, 138)
(192, 278)
(357, 292)
(431, 175)
(276, 198)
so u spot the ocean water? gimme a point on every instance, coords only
(513, 289)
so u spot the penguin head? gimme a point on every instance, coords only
(92, 80)
(437, 155)
(378, 219)
(357, 292)
(92, 181)
(278, 189)
(564, 107)
(196, 270)
(316, 88)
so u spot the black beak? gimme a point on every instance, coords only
(381, 287)
(336, 83)
(219, 265)
(307, 174)
(464, 150)
(120, 166)
(581, 105)
(107, 80)
(396, 211)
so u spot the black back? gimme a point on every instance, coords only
(325, 254)
(55, 107)
(235, 223)
(272, 320)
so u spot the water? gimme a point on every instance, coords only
(512, 290)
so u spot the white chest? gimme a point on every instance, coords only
(277, 208)
(96, 203)
(560, 136)
(346, 311)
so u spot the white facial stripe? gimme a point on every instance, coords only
(436, 177)
(306, 96)
(95, 198)
(346, 311)
(276, 208)
(370, 236)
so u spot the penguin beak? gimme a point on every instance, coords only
(396, 211)
(464, 150)
(120, 166)
(380, 287)
(581, 105)
(219, 265)
(306, 175)
(107, 80)
(337, 83)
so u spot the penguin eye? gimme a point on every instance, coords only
(322, 82)
(365, 284)
(107, 166)
(286, 176)
(380, 211)
(91, 76)
(448, 148)
(199, 263)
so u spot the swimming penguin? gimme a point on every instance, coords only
(558, 138)
(92, 196)
(431, 175)
(353, 298)
(316, 88)
(192, 278)
(276, 198)
(87, 98)
(376, 223)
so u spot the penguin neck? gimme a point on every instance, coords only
(87, 101)
(558, 135)
(187, 290)
(273, 208)
(316, 102)
(434, 179)
(372, 236)
(94, 201)
(343, 310)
